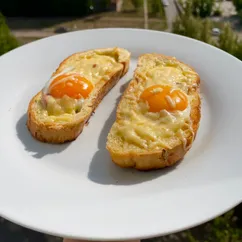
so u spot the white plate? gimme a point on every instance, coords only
(74, 190)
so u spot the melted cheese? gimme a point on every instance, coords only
(150, 130)
(58, 110)
(165, 75)
(146, 130)
(92, 66)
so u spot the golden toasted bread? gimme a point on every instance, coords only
(158, 116)
(58, 113)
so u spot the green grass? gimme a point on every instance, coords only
(224, 228)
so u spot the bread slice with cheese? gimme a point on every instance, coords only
(158, 115)
(58, 113)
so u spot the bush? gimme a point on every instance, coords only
(238, 4)
(202, 8)
(7, 40)
(199, 8)
(188, 26)
(240, 13)
(192, 27)
(228, 40)
(224, 229)
(217, 11)
(155, 8)
(221, 229)
(137, 3)
(205, 35)
(200, 29)
(238, 54)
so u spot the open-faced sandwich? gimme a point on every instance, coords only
(158, 115)
(58, 113)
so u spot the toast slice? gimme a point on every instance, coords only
(59, 115)
(158, 116)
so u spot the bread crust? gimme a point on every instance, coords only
(166, 157)
(52, 132)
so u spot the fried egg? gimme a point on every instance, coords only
(155, 111)
(160, 97)
(66, 91)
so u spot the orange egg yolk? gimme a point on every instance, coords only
(72, 85)
(161, 97)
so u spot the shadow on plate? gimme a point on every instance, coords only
(35, 147)
(103, 171)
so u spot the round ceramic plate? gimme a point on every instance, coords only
(74, 190)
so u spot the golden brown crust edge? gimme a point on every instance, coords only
(166, 157)
(61, 133)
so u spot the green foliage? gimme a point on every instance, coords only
(221, 229)
(240, 13)
(192, 27)
(238, 4)
(238, 53)
(206, 32)
(188, 26)
(188, 7)
(200, 29)
(137, 3)
(190, 237)
(155, 8)
(7, 40)
(200, 8)
(228, 40)
(217, 11)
